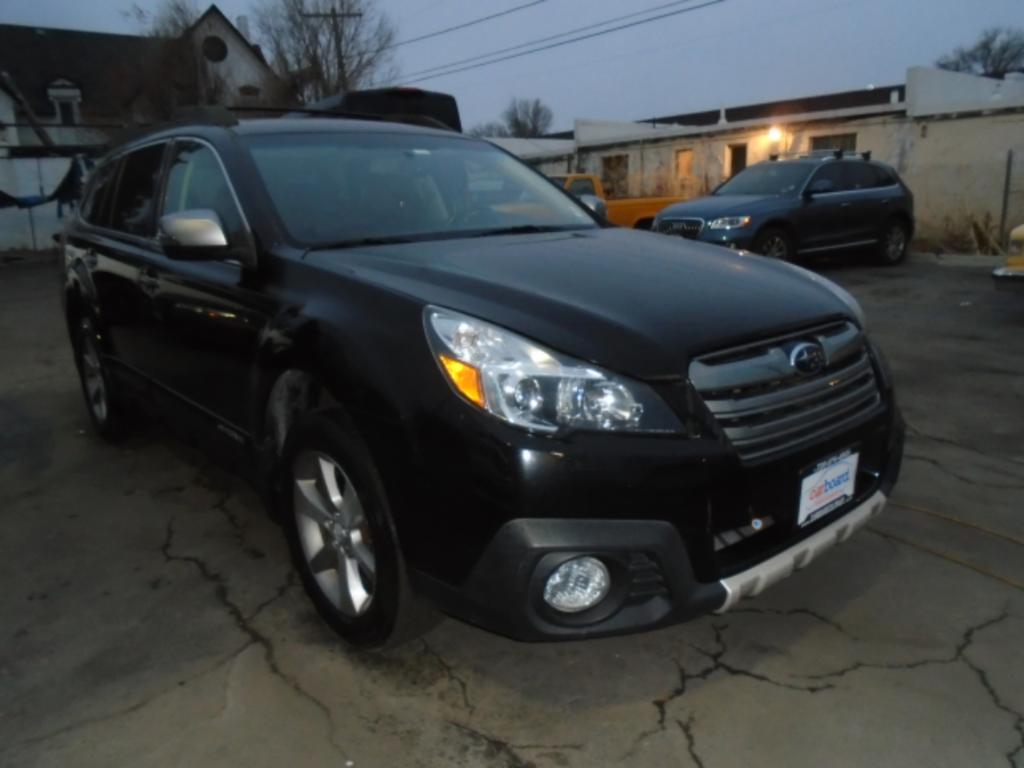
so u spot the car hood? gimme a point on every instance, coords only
(725, 205)
(635, 302)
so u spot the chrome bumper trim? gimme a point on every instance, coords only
(755, 580)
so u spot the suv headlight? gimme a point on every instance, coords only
(529, 386)
(730, 222)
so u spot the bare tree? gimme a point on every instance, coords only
(493, 128)
(324, 47)
(527, 117)
(998, 52)
(524, 118)
(169, 19)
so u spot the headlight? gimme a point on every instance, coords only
(532, 387)
(730, 222)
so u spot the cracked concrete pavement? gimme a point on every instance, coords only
(148, 615)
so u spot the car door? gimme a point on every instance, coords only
(870, 200)
(209, 313)
(823, 219)
(116, 242)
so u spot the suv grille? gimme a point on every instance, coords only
(688, 228)
(765, 407)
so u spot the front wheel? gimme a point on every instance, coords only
(337, 519)
(775, 244)
(101, 396)
(892, 248)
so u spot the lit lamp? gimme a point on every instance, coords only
(774, 140)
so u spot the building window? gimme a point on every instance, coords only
(66, 110)
(844, 141)
(65, 97)
(214, 48)
(684, 165)
(737, 158)
(615, 175)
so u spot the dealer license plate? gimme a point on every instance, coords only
(828, 485)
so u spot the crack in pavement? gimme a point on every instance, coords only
(959, 655)
(450, 674)
(946, 556)
(691, 740)
(798, 612)
(916, 432)
(86, 722)
(289, 582)
(243, 624)
(718, 664)
(962, 478)
(494, 748)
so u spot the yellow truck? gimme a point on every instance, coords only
(1012, 274)
(632, 212)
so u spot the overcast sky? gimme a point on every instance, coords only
(731, 52)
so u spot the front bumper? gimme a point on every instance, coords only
(1009, 278)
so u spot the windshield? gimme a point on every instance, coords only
(767, 179)
(347, 187)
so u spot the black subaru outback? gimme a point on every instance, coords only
(812, 205)
(455, 383)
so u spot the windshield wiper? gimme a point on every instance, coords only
(361, 241)
(523, 229)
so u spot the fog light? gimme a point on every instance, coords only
(577, 585)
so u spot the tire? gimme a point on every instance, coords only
(774, 243)
(336, 517)
(892, 248)
(98, 387)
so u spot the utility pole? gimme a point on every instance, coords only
(337, 21)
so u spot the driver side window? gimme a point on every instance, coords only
(195, 180)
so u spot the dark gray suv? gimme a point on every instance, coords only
(812, 205)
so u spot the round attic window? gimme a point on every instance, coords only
(214, 48)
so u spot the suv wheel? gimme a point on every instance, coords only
(343, 543)
(97, 385)
(892, 249)
(775, 244)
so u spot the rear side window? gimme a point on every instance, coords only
(96, 206)
(864, 176)
(135, 207)
(582, 187)
(195, 180)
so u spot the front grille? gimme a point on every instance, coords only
(765, 407)
(688, 228)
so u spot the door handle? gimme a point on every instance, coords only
(149, 281)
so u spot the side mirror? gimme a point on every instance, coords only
(195, 235)
(819, 187)
(596, 204)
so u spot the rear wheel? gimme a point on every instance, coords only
(101, 397)
(892, 248)
(775, 244)
(337, 519)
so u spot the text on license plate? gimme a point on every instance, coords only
(828, 485)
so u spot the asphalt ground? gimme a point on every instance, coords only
(148, 615)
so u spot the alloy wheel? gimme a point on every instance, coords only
(92, 376)
(775, 247)
(334, 533)
(895, 243)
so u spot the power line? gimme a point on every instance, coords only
(520, 46)
(463, 25)
(564, 42)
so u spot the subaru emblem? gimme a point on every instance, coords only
(807, 358)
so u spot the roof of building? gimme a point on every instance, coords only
(107, 68)
(881, 97)
(104, 66)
